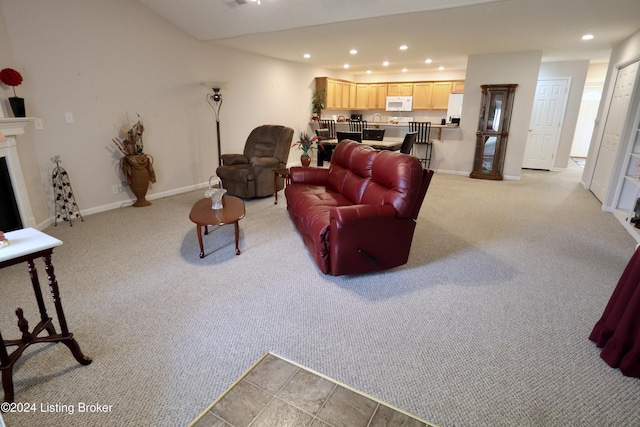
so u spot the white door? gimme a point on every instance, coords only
(586, 119)
(546, 123)
(613, 128)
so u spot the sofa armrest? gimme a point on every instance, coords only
(234, 159)
(351, 215)
(311, 176)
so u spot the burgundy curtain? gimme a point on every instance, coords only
(618, 330)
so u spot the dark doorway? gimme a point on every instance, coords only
(9, 213)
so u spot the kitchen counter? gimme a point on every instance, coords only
(378, 125)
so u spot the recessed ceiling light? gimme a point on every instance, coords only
(441, 68)
(428, 60)
(404, 47)
(404, 70)
(368, 71)
(306, 55)
(587, 37)
(346, 65)
(385, 63)
(353, 51)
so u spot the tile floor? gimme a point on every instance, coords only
(277, 392)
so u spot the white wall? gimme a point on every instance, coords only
(103, 59)
(520, 68)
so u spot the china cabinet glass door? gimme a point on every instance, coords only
(493, 131)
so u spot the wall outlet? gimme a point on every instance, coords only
(116, 188)
(68, 117)
(38, 124)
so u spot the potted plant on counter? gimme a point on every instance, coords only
(317, 103)
(136, 166)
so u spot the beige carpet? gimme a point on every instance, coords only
(487, 324)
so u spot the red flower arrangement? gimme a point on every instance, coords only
(11, 77)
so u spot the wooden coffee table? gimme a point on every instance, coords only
(204, 215)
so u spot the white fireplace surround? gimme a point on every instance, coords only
(10, 127)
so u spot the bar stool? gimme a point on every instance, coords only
(423, 138)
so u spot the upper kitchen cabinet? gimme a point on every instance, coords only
(400, 89)
(362, 96)
(337, 93)
(345, 95)
(458, 87)
(422, 94)
(440, 96)
(352, 96)
(376, 96)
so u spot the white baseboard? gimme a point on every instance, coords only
(125, 203)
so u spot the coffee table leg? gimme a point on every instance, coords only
(237, 237)
(199, 231)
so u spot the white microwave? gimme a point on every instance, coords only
(399, 103)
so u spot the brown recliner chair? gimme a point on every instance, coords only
(250, 174)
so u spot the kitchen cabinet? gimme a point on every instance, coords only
(458, 87)
(376, 96)
(362, 96)
(345, 95)
(422, 93)
(337, 93)
(440, 95)
(353, 96)
(400, 89)
(493, 130)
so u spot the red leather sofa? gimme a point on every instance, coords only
(358, 215)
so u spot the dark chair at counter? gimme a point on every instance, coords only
(407, 144)
(357, 125)
(423, 138)
(330, 125)
(324, 153)
(373, 134)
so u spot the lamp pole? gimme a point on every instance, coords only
(215, 101)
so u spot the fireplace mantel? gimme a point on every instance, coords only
(10, 127)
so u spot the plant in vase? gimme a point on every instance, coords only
(136, 166)
(12, 78)
(317, 103)
(305, 143)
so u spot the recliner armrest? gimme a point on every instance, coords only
(234, 159)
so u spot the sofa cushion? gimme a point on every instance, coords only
(393, 182)
(350, 170)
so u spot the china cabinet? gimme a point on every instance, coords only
(493, 130)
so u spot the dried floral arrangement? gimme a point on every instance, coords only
(132, 143)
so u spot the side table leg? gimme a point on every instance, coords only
(275, 187)
(67, 338)
(199, 232)
(7, 383)
(237, 227)
(7, 372)
(33, 274)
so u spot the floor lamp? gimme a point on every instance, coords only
(215, 101)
